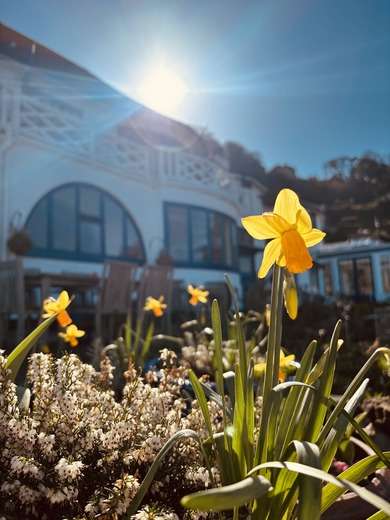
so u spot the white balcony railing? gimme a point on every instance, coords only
(38, 107)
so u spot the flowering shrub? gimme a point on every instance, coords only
(73, 451)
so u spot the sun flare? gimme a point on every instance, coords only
(162, 89)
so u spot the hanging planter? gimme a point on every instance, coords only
(19, 242)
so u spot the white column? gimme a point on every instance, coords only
(3, 202)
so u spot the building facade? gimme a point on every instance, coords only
(92, 175)
(357, 270)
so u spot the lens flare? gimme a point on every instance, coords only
(162, 89)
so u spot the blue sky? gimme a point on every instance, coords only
(298, 81)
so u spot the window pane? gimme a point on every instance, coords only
(364, 276)
(178, 233)
(313, 274)
(346, 275)
(89, 202)
(235, 243)
(37, 225)
(199, 229)
(246, 264)
(216, 230)
(133, 245)
(64, 219)
(385, 270)
(228, 256)
(113, 228)
(328, 283)
(90, 237)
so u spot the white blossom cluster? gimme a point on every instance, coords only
(76, 452)
(199, 356)
(150, 513)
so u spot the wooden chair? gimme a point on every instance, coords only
(115, 297)
(12, 298)
(156, 281)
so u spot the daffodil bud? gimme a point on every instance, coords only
(290, 295)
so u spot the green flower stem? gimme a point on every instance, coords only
(271, 377)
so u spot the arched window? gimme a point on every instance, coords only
(81, 222)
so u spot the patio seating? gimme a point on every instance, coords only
(115, 296)
(12, 298)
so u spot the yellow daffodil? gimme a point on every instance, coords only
(291, 231)
(56, 307)
(71, 335)
(285, 365)
(197, 295)
(290, 295)
(156, 306)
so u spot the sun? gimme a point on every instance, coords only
(162, 89)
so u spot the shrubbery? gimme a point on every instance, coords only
(70, 450)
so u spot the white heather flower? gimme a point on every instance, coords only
(68, 470)
(56, 496)
(75, 427)
(91, 508)
(26, 466)
(28, 495)
(153, 513)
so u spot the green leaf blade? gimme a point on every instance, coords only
(228, 497)
(20, 352)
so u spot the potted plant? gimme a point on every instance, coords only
(19, 241)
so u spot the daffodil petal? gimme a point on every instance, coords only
(313, 237)
(287, 205)
(271, 254)
(63, 299)
(304, 224)
(265, 226)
